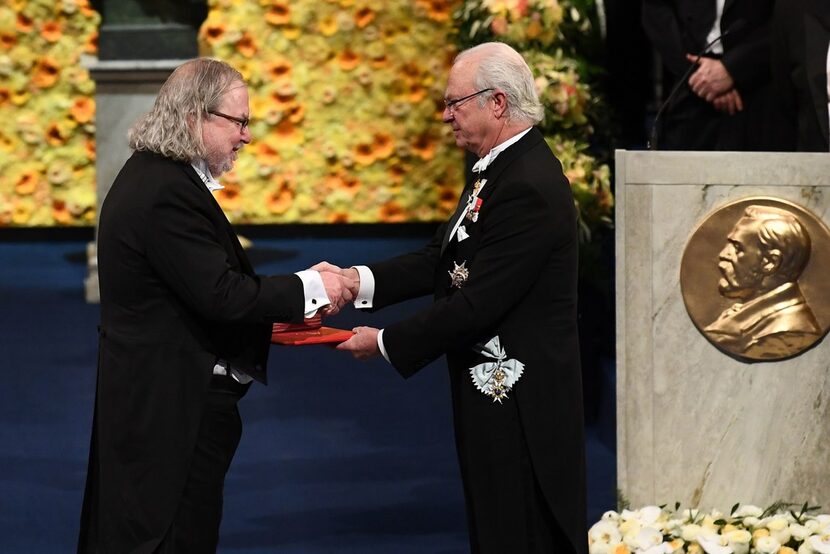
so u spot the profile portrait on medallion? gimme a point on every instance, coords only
(764, 300)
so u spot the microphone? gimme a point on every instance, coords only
(734, 28)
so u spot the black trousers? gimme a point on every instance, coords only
(195, 529)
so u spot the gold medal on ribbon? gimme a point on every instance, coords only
(459, 274)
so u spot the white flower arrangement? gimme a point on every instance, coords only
(746, 530)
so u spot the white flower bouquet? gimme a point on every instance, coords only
(745, 530)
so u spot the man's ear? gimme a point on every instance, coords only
(499, 103)
(771, 261)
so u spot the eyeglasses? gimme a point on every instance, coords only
(451, 105)
(243, 123)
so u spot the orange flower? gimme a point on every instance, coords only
(338, 217)
(91, 44)
(278, 14)
(348, 60)
(379, 61)
(281, 198)
(229, 197)
(437, 10)
(392, 212)
(278, 69)
(265, 153)
(416, 92)
(246, 45)
(397, 172)
(499, 26)
(364, 154)
(24, 23)
(89, 148)
(295, 113)
(447, 199)
(286, 131)
(26, 183)
(60, 213)
(5, 95)
(51, 31)
(83, 109)
(383, 145)
(7, 40)
(55, 135)
(363, 17)
(21, 213)
(291, 31)
(213, 31)
(46, 73)
(424, 147)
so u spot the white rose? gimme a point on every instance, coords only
(748, 510)
(799, 532)
(779, 528)
(768, 545)
(751, 521)
(713, 544)
(739, 540)
(600, 547)
(662, 548)
(610, 515)
(605, 532)
(673, 525)
(805, 548)
(649, 514)
(630, 527)
(820, 543)
(646, 538)
(690, 532)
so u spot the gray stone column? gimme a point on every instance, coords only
(140, 43)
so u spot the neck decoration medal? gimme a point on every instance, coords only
(459, 274)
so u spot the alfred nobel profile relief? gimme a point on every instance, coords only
(760, 263)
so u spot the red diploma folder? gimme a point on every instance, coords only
(310, 331)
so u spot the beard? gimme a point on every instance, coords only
(220, 163)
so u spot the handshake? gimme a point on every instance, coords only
(342, 287)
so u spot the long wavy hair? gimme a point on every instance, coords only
(173, 127)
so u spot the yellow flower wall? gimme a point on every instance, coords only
(346, 100)
(345, 105)
(47, 113)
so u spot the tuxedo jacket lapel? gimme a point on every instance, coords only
(238, 251)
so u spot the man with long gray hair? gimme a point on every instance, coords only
(185, 323)
(503, 272)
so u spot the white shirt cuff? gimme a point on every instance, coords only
(314, 292)
(367, 288)
(381, 347)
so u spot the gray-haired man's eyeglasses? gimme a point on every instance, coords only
(243, 123)
(451, 105)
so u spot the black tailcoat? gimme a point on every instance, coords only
(800, 41)
(522, 260)
(680, 27)
(177, 294)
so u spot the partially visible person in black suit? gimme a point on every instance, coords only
(726, 101)
(185, 324)
(801, 64)
(503, 272)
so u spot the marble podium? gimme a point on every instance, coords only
(695, 425)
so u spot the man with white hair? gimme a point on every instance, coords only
(503, 272)
(185, 323)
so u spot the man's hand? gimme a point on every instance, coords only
(731, 102)
(349, 272)
(338, 289)
(710, 79)
(364, 343)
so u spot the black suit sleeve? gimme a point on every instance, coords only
(522, 229)
(660, 22)
(186, 249)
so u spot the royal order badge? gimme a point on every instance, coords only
(459, 274)
(496, 377)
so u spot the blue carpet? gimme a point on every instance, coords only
(336, 455)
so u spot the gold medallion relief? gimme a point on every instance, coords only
(754, 278)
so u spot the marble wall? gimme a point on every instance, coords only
(693, 424)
